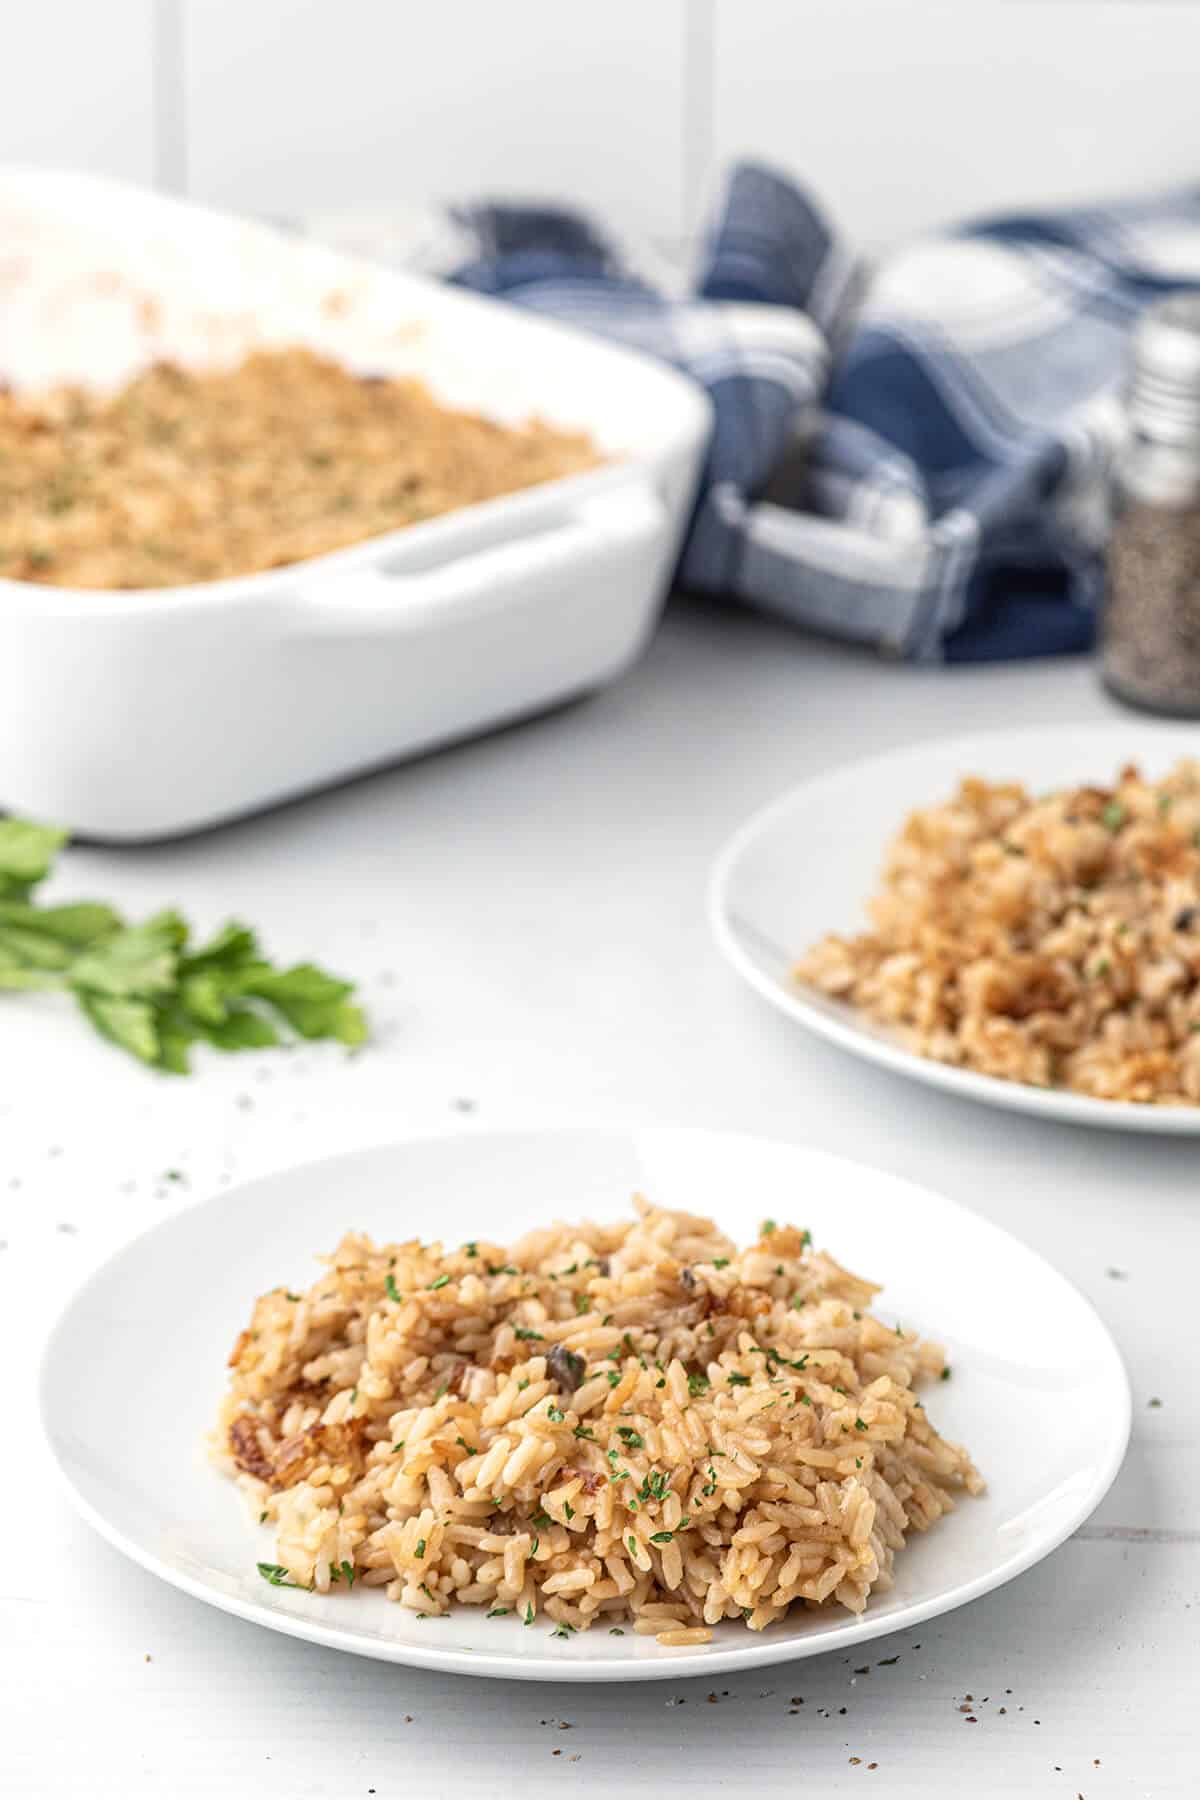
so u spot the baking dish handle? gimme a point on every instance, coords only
(608, 531)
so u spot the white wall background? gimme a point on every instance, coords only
(901, 112)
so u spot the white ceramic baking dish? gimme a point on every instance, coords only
(132, 715)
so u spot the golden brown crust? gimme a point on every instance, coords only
(187, 477)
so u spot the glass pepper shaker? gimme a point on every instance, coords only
(1150, 626)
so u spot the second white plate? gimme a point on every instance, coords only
(1044, 1410)
(809, 863)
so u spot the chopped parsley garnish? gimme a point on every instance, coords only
(720, 1262)
(398, 1446)
(583, 1304)
(614, 1377)
(1113, 816)
(262, 1517)
(630, 1438)
(632, 1542)
(661, 1537)
(945, 1375)
(540, 1518)
(858, 1462)
(562, 1631)
(804, 1400)
(471, 1250)
(500, 1269)
(529, 1613)
(393, 1292)
(522, 1385)
(533, 1548)
(615, 1631)
(767, 1227)
(499, 1612)
(697, 1385)
(555, 1414)
(293, 1297)
(276, 1574)
(805, 1240)
(584, 1431)
(343, 1571)
(469, 1448)
(420, 1547)
(441, 1389)
(736, 1380)
(526, 1336)
(859, 1425)
(441, 1282)
(568, 1511)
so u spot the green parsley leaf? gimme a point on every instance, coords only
(529, 1613)
(498, 1612)
(276, 1574)
(697, 1385)
(27, 853)
(441, 1282)
(767, 1227)
(1113, 816)
(630, 1438)
(555, 1414)
(615, 1631)
(859, 1425)
(528, 1337)
(393, 1292)
(736, 1380)
(420, 1550)
(720, 1262)
(661, 1537)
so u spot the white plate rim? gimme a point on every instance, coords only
(696, 1663)
(838, 1025)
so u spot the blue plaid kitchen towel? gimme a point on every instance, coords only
(913, 457)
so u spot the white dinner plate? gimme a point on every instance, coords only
(135, 1368)
(809, 863)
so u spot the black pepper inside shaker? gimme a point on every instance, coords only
(1150, 629)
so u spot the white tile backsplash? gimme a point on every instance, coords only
(76, 86)
(301, 107)
(903, 114)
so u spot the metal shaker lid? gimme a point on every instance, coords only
(1164, 394)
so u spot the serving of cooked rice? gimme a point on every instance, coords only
(1052, 939)
(634, 1423)
(189, 475)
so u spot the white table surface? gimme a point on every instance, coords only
(526, 917)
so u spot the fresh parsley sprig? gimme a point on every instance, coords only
(146, 987)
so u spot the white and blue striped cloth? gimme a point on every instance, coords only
(915, 458)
